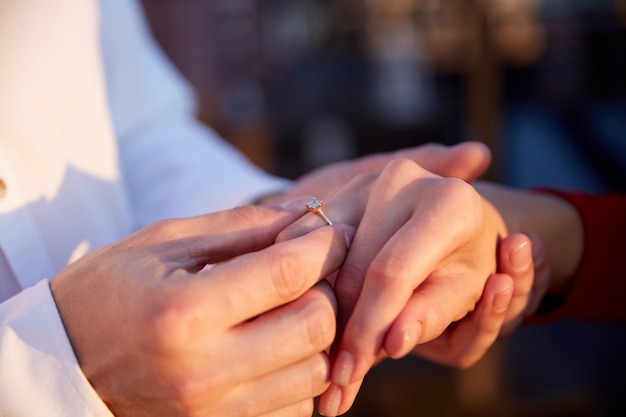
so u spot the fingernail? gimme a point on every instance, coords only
(349, 235)
(520, 257)
(411, 336)
(296, 203)
(501, 301)
(332, 401)
(344, 366)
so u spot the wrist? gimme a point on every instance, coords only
(558, 225)
(555, 221)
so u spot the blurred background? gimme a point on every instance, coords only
(300, 83)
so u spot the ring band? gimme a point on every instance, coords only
(315, 206)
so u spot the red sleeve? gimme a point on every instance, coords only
(599, 290)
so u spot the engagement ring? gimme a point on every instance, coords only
(315, 206)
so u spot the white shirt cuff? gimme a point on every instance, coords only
(39, 373)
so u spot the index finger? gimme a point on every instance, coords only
(255, 283)
(193, 242)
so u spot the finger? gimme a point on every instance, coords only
(302, 409)
(258, 282)
(466, 341)
(428, 313)
(285, 388)
(337, 400)
(467, 160)
(542, 274)
(396, 271)
(196, 241)
(282, 336)
(344, 207)
(515, 259)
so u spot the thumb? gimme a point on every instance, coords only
(467, 160)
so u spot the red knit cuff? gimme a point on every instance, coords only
(599, 284)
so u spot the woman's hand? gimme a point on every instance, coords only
(509, 295)
(424, 248)
(158, 333)
(467, 160)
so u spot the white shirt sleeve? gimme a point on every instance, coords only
(52, 114)
(172, 165)
(31, 364)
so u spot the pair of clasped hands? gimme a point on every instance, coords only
(258, 310)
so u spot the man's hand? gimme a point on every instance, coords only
(423, 251)
(159, 333)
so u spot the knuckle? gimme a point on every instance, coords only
(390, 270)
(248, 215)
(186, 386)
(400, 166)
(320, 324)
(457, 186)
(436, 320)
(399, 171)
(458, 190)
(166, 320)
(287, 274)
(348, 285)
(465, 193)
(465, 206)
(181, 389)
(170, 330)
(166, 229)
(464, 361)
(182, 395)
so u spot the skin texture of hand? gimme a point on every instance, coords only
(159, 334)
(509, 295)
(423, 250)
(523, 277)
(467, 161)
(551, 222)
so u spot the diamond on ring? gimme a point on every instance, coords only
(315, 206)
